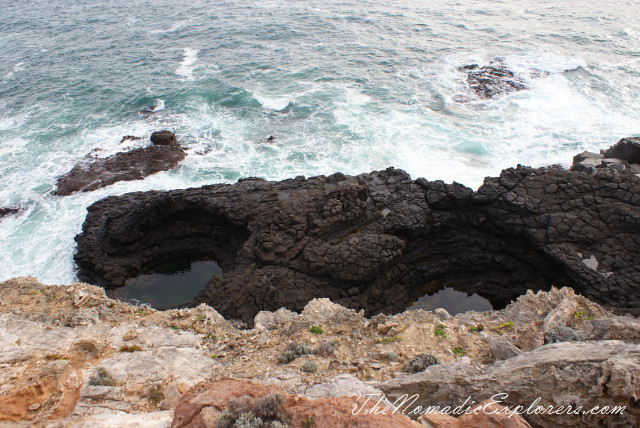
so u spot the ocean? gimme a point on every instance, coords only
(348, 86)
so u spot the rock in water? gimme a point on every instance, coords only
(492, 80)
(163, 155)
(627, 149)
(373, 241)
(163, 138)
(8, 211)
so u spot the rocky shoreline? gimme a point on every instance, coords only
(70, 356)
(377, 241)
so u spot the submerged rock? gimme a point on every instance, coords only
(164, 154)
(373, 241)
(491, 80)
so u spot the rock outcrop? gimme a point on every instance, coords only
(163, 154)
(378, 240)
(580, 375)
(491, 80)
(70, 356)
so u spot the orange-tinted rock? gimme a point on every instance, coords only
(203, 404)
(487, 414)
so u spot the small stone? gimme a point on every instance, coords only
(130, 335)
(33, 407)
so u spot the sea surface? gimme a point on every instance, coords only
(349, 86)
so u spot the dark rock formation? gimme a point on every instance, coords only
(8, 211)
(163, 155)
(163, 138)
(627, 149)
(378, 240)
(494, 79)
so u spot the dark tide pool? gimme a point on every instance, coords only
(170, 285)
(453, 301)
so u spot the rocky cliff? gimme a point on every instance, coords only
(71, 357)
(378, 240)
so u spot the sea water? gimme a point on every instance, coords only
(349, 86)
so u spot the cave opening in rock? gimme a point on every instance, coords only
(168, 284)
(450, 299)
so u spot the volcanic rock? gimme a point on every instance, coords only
(489, 81)
(163, 155)
(8, 211)
(373, 241)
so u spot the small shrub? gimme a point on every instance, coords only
(458, 352)
(420, 363)
(499, 328)
(175, 327)
(439, 331)
(155, 395)
(473, 329)
(326, 348)
(579, 315)
(309, 367)
(563, 334)
(293, 351)
(130, 348)
(309, 422)
(245, 412)
(389, 339)
(102, 378)
(390, 356)
(54, 357)
(316, 329)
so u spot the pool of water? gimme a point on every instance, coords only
(453, 301)
(170, 285)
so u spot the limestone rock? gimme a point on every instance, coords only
(202, 405)
(601, 373)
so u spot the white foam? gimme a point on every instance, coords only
(173, 28)
(186, 67)
(16, 69)
(272, 103)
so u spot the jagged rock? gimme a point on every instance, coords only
(601, 373)
(627, 149)
(371, 242)
(92, 174)
(494, 79)
(202, 407)
(502, 348)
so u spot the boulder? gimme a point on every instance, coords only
(92, 174)
(163, 138)
(627, 149)
(8, 211)
(589, 374)
(204, 404)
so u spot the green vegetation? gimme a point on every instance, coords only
(389, 339)
(474, 329)
(130, 348)
(309, 422)
(439, 331)
(502, 326)
(309, 367)
(316, 329)
(54, 357)
(458, 352)
(293, 351)
(101, 378)
(155, 395)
